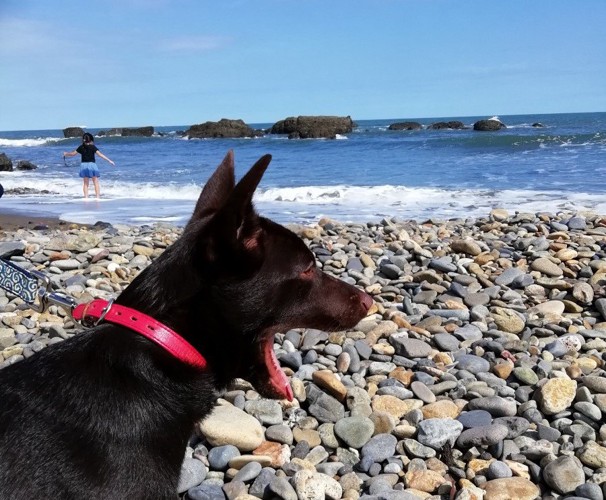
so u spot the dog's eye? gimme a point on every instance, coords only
(309, 272)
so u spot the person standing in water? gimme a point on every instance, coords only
(88, 167)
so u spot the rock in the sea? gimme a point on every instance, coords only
(453, 124)
(6, 164)
(488, 125)
(26, 165)
(224, 128)
(73, 132)
(405, 126)
(313, 127)
(137, 132)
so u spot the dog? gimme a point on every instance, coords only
(108, 413)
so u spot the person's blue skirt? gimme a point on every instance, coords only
(89, 169)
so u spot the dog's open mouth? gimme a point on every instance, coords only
(274, 382)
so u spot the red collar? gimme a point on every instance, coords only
(101, 310)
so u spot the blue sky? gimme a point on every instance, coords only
(161, 62)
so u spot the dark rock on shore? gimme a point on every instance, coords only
(28, 191)
(222, 128)
(313, 127)
(454, 125)
(6, 164)
(488, 125)
(26, 165)
(73, 132)
(405, 126)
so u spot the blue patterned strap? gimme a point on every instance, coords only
(18, 281)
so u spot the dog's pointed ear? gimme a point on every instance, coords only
(241, 198)
(239, 220)
(217, 190)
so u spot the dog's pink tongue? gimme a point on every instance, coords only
(277, 378)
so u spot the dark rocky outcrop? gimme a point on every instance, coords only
(454, 125)
(538, 125)
(488, 125)
(28, 191)
(6, 164)
(73, 132)
(313, 127)
(405, 126)
(26, 165)
(110, 132)
(128, 132)
(223, 128)
(137, 132)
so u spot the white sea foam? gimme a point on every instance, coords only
(28, 143)
(151, 200)
(308, 204)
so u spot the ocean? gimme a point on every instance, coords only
(365, 175)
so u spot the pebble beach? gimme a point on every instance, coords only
(479, 374)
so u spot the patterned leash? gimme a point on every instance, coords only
(33, 287)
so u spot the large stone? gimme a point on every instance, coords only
(556, 395)
(508, 320)
(316, 486)
(355, 431)
(547, 267)
(328, 381)
(593, 455)
(424, 480)
(395, 407)
(441, 409)
(482, 436)
(230, 425)
(564, 474)
(470, 247)
(436, 432)
(510, 488)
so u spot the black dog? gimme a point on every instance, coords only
(108, 413)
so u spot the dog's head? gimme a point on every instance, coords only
(234, 279)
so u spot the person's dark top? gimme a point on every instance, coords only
(88, 152)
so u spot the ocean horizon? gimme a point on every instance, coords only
(365, 175)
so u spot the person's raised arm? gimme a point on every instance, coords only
(105, 157)
(70, 153)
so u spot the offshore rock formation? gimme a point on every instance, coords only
(405, 126)
(313, 127)
(222, 128)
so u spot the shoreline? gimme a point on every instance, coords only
(10, 221)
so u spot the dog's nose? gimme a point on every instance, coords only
(366, 301)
